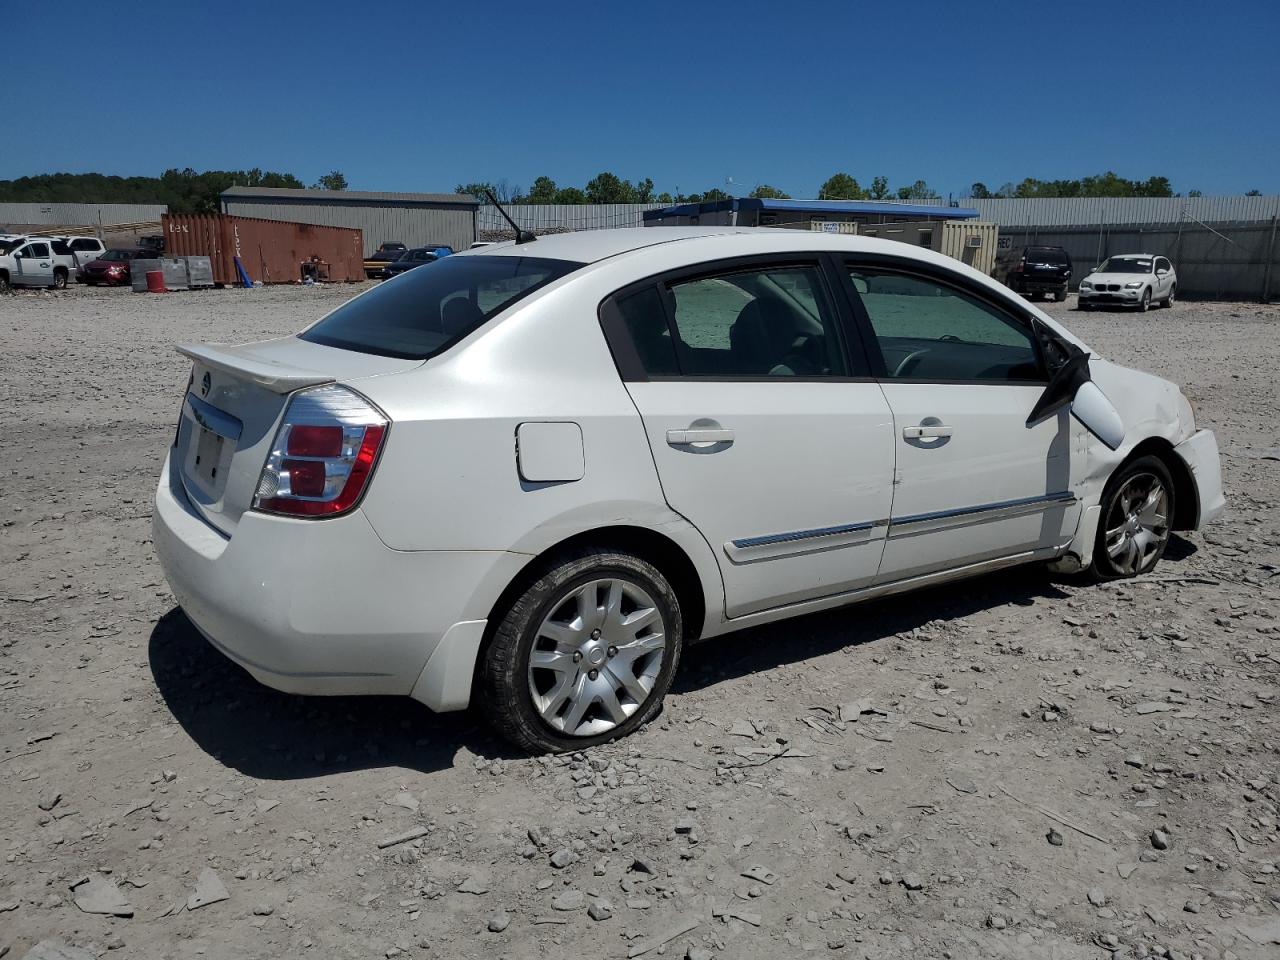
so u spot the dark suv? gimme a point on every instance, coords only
(1034, 271)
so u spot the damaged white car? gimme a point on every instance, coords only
(527, 475)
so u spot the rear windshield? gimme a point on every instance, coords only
(120, 255)
(425, 311)
(1046, 255)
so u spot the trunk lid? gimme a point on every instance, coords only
(233, 404)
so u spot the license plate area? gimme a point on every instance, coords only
(208, 458)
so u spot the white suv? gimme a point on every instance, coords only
(1133, 280)
(528, 474)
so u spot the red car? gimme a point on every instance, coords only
(112, 267)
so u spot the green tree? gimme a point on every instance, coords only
(979, 191)
(334, 180)
(879, 188)
(765, 192)
(712, 195)
(1253, 193)
(917, 191)
(570, 195)
(664, 197)
(609, 188)
(477, 190)
(841, 186)
(1194, 193)
(543, 191)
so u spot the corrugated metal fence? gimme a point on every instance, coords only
(1093, 211)
(1220, 262)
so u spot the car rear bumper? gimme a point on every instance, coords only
(1039, 284)
(1200, 454)
(325, 607)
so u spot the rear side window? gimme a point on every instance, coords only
(770, 322)
(60, 247)
(425, 311)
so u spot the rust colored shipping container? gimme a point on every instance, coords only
(271, 251)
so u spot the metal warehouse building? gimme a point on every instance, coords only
(804, 214)
(417, 219)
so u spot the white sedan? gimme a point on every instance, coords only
(1133, 280)
(529, 474)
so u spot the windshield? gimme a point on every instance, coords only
(8, 246)
(1126, 265)
(424, 312)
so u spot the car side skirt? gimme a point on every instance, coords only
(884, 590)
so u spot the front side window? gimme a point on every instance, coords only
(929, 330)
(426, 311)
(771, 322)
(36, 251)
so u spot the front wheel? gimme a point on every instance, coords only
(1060, 294)
(1137, 505)
(1145, 303)
(4, 283)
(585, 655)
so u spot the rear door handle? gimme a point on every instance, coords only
(919, 433)
(681, 438)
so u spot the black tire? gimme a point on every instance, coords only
(1144, 304)
(1123, 482)
(4, 283)
(1060, 294)
(1173, 292)
(1083, 305)
(503, 684)
(59, 279)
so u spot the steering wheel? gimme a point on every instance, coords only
(908, 361)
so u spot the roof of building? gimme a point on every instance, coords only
(877, 207)
(347, 196)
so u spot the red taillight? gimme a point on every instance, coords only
(312, 441)
(323, 454)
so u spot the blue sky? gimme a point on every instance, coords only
(415, 96)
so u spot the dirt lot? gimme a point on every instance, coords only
(1025, 768)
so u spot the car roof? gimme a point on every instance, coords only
(1133, 256)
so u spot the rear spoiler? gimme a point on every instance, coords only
(239, 362)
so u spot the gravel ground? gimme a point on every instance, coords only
(1013, 767)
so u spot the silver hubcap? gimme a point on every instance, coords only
(1138, 524)
(596, 657)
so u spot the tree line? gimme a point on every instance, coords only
(182, 191)
(189, 191)
(608, 187)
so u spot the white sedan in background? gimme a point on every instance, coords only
(527, 475)
(1133, 280)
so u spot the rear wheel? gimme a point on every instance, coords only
(1173, 292)
(59, 279)
(585, 654)
(1133, 530)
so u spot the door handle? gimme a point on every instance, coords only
(682, 438)
(919, 433)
